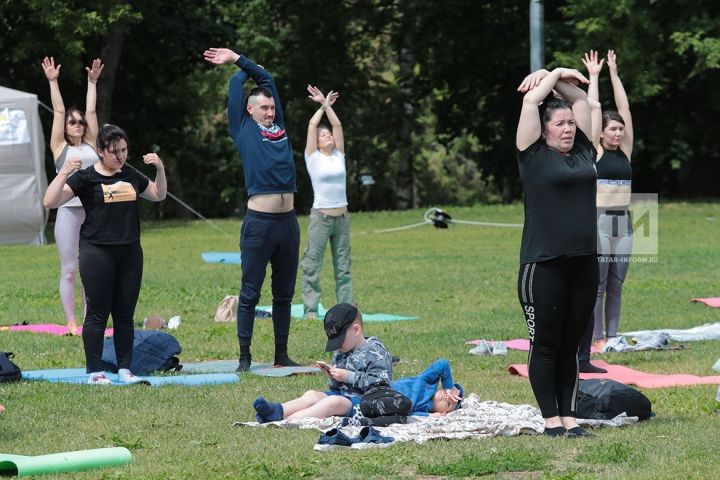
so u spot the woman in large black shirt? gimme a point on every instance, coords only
(557, 283)
(111, 258)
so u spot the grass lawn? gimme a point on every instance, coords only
(461, 282)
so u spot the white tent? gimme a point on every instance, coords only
(22, 169)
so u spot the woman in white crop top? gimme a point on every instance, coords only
(329, 219)
(73, 136)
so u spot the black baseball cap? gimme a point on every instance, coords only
(337, 320)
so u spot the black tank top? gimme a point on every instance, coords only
(614, 165)
(560, 214)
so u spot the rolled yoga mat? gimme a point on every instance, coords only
(20, 465)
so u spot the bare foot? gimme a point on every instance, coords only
(73, 328)
(2, 408)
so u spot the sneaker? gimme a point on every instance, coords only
(333, 439)
(285, 361)
(498, 348)
(483, 348)
(555, 432)
(587, 367)
(243, 365)
(577, 432)
(99, 379)
(371, 438)
(128, 378)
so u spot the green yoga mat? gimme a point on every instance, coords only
(296, 311)
(20, 465)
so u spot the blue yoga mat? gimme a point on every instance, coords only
(297, 311)
(262, 369)
(78, 376)
(231, 258)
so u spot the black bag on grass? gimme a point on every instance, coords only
(9, 372)
(383, 401)
(153, 351)
(603, 399)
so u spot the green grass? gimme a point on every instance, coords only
(461, 282)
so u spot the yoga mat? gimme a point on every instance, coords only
(78, 376)
(21, 465)
(630, 376)
(710, 302)
(51, 328)
(522, 344)
(231, 258)
(263, 369)
(297, 311)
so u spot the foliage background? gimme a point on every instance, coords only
(428, 88)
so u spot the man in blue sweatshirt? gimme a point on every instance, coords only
(270, 232)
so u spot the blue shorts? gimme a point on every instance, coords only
(354, 399)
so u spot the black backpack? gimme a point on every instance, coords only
(9, 372)
(603, 399)
(383, 401)
(153, 351)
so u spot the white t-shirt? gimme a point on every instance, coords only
(86, 154)
(328, 176)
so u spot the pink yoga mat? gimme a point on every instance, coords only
(522, 344)
(633, 377)
(51, 328)
(710, 302)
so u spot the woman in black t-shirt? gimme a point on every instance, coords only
(111, 258)
(557, 282)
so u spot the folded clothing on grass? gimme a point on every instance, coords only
(630, 376)
(708, 331)
(475, 419)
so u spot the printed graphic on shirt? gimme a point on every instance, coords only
(119, 192)
(272, 134)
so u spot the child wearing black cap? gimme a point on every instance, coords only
(357, 364)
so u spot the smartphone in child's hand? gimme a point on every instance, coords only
(323, 366)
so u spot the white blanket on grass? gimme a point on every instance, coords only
(708, 331)
(475, 419)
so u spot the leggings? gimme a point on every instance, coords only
(268, 238)
(615, 247)
(67, 237)
(111, 275)
(557, 297)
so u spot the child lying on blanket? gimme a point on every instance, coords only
(422, 391)
(357, 364)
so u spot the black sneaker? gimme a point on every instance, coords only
(285, 361)
(243, 365)
(587, 367)
(555, 431)
(577, 432)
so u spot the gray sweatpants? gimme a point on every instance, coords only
(322, 228)
(614, 249)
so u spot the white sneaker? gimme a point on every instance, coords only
(483, 348)
(127, 377)
(498, 348)
(98, 378)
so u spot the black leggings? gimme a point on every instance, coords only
(557, 297)
(111, 275)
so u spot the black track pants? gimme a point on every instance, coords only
(557, 297)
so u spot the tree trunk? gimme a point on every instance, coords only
(112, 44)
(406, 190)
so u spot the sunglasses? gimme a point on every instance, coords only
(73, 121)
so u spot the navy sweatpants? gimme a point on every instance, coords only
(557, 297)
(268, 238)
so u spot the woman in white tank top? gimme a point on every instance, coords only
(73, 136)
(329, 219)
